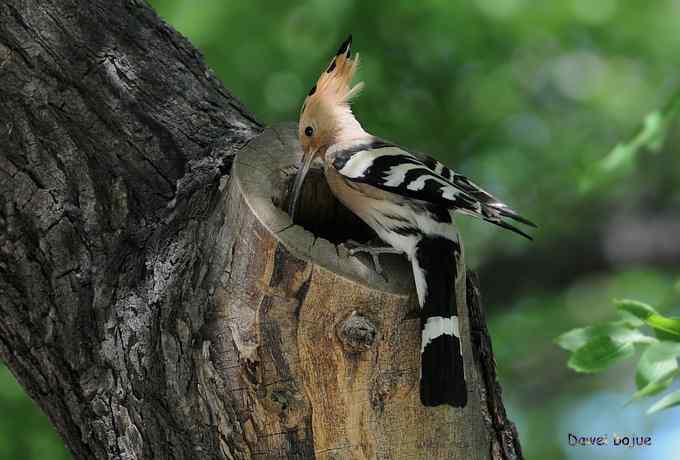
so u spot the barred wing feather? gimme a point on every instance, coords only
(390, 168)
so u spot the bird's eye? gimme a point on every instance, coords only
(309, 131)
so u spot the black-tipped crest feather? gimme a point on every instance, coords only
(345, 46)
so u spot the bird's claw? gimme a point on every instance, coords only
(374, 258)
(374, 252)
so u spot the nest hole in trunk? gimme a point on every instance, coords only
(318, 211)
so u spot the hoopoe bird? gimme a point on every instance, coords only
(409, 200)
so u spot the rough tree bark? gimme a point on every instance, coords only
(143, 305)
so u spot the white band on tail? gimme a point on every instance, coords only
(436, 326)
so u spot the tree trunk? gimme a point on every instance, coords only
(156, 308)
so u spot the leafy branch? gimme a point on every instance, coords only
(650, 137)
(640, 326)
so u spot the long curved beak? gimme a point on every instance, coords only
(307, 160)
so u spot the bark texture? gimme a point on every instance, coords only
(113, 138)
(145, 306)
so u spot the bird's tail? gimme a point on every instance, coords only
(442, 376)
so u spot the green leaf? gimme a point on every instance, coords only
(670, 400)
(657, 386)
(650, 316)
(665, 336)
(650, 136)
(619, 331)
(620, 160)
(630, 319)
(665, 324)
(638, 309)
(600, 353)
(656, 362)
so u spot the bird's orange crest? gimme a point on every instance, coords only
(334, 86)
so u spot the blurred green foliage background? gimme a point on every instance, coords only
(529, 99)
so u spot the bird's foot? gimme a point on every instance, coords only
(374, 252)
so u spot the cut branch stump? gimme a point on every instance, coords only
(322, 351)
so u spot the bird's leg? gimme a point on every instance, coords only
(373, 251)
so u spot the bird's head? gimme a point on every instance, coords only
(326, 117)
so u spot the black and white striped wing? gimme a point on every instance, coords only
(395, 170)
(466, 185)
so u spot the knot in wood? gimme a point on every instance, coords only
(357, 333)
